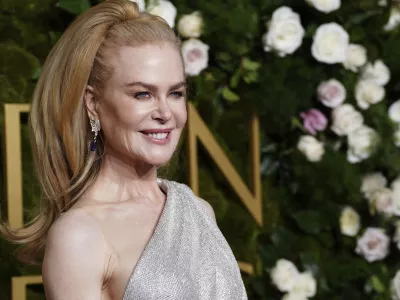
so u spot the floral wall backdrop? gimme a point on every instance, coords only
(324, 77)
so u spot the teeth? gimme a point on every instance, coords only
(158, 136)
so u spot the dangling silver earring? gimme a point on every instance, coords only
(95, 124)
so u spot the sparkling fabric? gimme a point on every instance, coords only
(187, 257)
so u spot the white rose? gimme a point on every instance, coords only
(382, 3)
(331, 93)
(330, 44)
(140, 4)
(396, 183)
(166, 10)
(285, 32)
(396, 196)
(377, 72)
(305, 285)
(189, 26)
(381, 201)
(394, 111)
(396, 236)
(373, 182)
(395, 286)
(346, 119)
(349, 221)
(284, 274)
(325, 6)
(356, 57)
(373, 244)
(195, 56)
(361, 143)
(394, 19)
(311, 148)
(367, 92)
(294, 296)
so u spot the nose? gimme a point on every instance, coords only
(162, 113)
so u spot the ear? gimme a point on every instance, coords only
(90, 101)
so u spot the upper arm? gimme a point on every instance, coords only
(74, 259)
(208, 208)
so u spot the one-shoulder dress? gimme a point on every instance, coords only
(187, 257)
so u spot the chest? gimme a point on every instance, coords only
(126, 233)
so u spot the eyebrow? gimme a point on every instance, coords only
(153, 87)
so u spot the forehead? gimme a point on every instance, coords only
(154, 64)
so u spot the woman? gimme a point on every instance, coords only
(108, 110)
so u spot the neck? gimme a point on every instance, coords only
(119, 180)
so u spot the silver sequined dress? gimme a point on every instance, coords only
(187, 258)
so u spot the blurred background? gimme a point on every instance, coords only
(323, 76)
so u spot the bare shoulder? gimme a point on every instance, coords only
(74, 228)
(208, 206)
(75, 224)
(74, 257)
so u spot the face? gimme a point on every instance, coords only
(142, 109)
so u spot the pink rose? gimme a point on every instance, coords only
(331, 93)
(314, 121)
(195, 56)
(373, 244)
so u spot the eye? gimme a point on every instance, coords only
(142, 95)
(177, 94)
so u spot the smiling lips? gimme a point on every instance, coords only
(158, 136)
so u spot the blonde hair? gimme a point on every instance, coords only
(59, 125)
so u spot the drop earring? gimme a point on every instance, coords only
(95, 124)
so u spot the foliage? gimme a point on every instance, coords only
(304, 200)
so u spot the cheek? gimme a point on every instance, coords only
(180, 114)
(124, 115)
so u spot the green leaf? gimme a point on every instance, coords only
(225, 61)
(216, 74)
(251, 77)
(250, 65)
(310, 221)
(75, 7)
(223, 56)
(297, 124)
(375, 284)
(229, 95)
(235, 78)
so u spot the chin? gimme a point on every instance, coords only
(158, 160)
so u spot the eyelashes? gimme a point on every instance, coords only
(147, 95)
(178, 94)
(142, 95)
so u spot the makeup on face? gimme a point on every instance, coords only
(144, 108)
